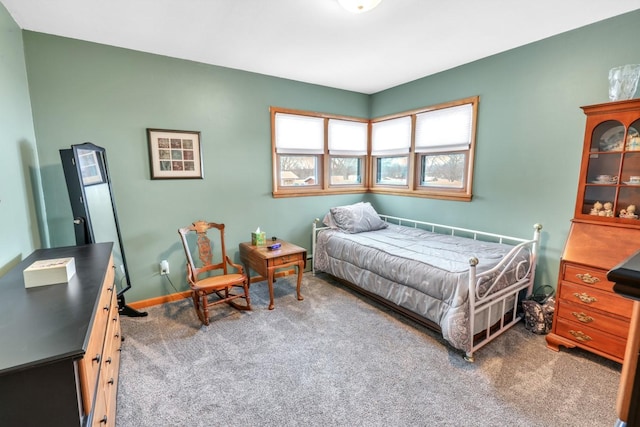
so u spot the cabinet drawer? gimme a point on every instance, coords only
(592, 278)
(590, 337)
(593, 319)
(596, 299)
(286, 259)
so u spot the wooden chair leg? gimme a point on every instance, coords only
(246, 294)
(196, 304)
(205, 309)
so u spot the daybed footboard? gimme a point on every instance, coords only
(483, 302)
(493, 293)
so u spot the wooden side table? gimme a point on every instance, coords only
(265, 262)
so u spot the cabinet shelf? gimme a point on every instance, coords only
(611, 163)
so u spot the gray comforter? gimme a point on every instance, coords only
(425, 272)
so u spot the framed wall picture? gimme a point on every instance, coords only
(175, 154)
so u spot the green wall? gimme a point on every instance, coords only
(529, 139)
(530, 131)
(109, 96)
(20, 198)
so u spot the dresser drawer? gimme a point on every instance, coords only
(112, 348)
(104, 413)
(91, 366)
(596, 299)
(590, 337)
(594, 319)
(99, 416)
(592, 278)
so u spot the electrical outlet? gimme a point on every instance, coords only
(164, 267)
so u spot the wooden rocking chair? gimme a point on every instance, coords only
(201, 279)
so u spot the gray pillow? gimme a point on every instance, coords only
(357, 218)
(328, 221)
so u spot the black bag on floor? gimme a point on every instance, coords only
(538, 310)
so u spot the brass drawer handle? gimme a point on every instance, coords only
(583, 317)
(585, 298)
(580, 336)
(587, 278)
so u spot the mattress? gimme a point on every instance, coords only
(424, 272)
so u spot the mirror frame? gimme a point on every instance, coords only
(102, 176)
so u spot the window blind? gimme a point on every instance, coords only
(299, 134)
(347, 137)
(447, 129)
(391, 137)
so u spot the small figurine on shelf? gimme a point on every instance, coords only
(608, 210)
(630, 212)
(597, 208)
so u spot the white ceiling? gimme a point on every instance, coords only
(316, 41)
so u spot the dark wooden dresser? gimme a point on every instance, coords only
(60, 344)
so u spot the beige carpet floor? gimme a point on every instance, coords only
(337, 359)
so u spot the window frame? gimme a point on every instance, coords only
(414, 187)
(369, 163)
(324, 186)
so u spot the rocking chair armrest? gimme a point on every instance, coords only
(238, 267)
(191, 277)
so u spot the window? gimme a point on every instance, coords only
(428, 152)
(347, 151)
(390, 145)
(299, 145)
(317, 153)
(442, 142)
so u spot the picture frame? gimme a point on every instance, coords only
(175, 154)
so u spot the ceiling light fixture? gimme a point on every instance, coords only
(359, 6)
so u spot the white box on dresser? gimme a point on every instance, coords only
(49, 272)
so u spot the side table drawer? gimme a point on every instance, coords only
(589, 337)
(596, 299)
(286, 259)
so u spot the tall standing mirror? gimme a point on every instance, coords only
(95, 218)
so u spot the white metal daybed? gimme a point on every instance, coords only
(451, 279)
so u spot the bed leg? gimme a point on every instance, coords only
(469, 357)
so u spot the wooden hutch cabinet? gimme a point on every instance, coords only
(605, 230)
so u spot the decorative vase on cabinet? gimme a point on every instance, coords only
(604, 231)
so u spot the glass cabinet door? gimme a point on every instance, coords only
(612, 187)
